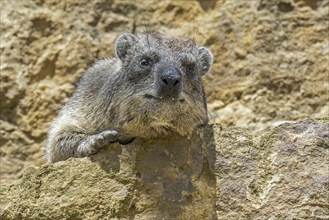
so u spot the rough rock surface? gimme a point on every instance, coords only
(282, 175)
(172, 178)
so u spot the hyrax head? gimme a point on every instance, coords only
(163, 75)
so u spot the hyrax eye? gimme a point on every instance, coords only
(145, 63)
(190, 68)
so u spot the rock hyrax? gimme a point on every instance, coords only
(152, 87)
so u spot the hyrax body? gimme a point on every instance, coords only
(152, 88)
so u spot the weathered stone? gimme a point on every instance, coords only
(171, 178)
(282, 175)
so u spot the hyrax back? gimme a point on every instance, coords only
(153, 87)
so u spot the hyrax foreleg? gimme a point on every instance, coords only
(79, 145)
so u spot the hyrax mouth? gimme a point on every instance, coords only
(164, 98)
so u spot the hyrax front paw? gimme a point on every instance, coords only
(97, 141)
(105, 138)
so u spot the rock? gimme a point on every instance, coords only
(231, 174)
(171, 178)
(74, 189)
(282, 175)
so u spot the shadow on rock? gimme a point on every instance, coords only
(171, 177)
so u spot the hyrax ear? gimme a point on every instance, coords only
(206, 59)
(123, 44)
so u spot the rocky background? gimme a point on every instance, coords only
(271, 66)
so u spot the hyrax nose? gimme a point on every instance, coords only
(170, 82)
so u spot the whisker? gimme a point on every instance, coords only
(213, 115)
